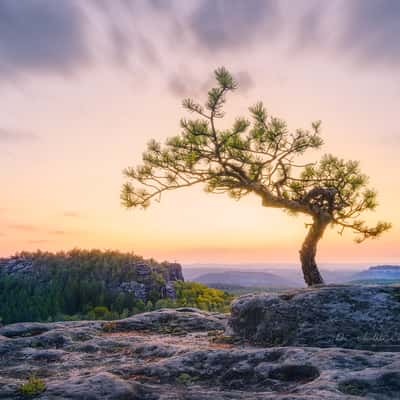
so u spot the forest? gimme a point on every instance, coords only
(78, 285)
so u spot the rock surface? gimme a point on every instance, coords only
(349, 316)
(180, 354)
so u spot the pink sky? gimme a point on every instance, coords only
(107, 77)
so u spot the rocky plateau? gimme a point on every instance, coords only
(193, 355)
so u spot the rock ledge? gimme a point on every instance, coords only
(348, 316)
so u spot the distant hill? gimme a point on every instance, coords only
(379, 274)
(332, 273)
(244, 278)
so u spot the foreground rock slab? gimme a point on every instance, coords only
(349, 316)
(181, 354)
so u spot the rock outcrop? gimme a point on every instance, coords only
(349, 316)
(180, 354)
(146, 277)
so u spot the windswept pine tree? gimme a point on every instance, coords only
(257, 156)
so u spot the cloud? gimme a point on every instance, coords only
(309, 25)
(161, 5)
(229, 24)
(41, 36)
(120, 20)
(57, 232)
(35, 229)
(62, 36)
(71, 214)
(372, 31)
(362, 31)
(365, 31)
(177, 86)
(11, 136)
(184, 84)
(38, 241)
(244, 80)
(23, 227)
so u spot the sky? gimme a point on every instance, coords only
(85, 84)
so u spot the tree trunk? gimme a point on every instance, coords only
(309, 250)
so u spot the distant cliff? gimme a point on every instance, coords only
(36, 285)
(379, 273)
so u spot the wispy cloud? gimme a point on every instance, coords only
(185, 83)
(36, 229)
(361, 30)
(42, 36)
(372, 31)
(57, 232)
(72, 214)
(23, 227)
(61, 36)
(13, 136)
(229, 24)
(38, 241)
(128, 43)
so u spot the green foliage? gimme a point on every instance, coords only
(33, 387)
(259, 155)
(185, 379)
(237, 290)
(349, 198)
(193, 294)
(72, 285)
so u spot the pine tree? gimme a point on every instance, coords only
(257, 156)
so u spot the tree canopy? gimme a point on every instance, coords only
(84, 284)
(258, 155)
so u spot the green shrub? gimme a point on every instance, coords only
(33, 387)
(100, 312)
(185, 379)
(193, 294)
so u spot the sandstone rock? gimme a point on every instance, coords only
(168, 320)
(99, 386)
(281, 373)
(92, 363)
(170, 272)
(138, 289)
(47, 355)
(24, 329)
(360, 317)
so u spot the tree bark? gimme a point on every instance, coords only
(308, 251)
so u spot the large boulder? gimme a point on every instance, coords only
(349, 316)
